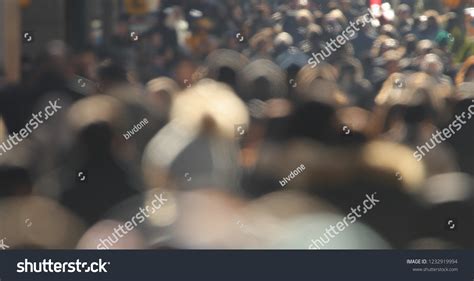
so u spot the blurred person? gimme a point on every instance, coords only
(433, 66)
(282, 42)
(359, 122)
(225, 65)
(349, 11)
(211, 219)
(404, 20)
(119, 47)
(384, 162)
(445, 203)
(97, 124)
(201, 41)
(198, 142)
(111, 74)
(352, 82)
(161, 92)
(387, 57)
(462, 139)
(51, 74)
(176, 20)
(93, 238)
(49, 225)
(390, 30)
(307, 232)
(185, 72)
(142, 119)
(156, 57)
(262, 79)
(261, 17)
(261, 45)
(429, 25)
(414, 113)
(304, 18)
(192, 142)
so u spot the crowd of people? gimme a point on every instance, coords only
(233, 107)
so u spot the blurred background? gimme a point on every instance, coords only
(232, 109)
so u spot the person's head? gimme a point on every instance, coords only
(389, 30)
(432, 22)
(111, 74)
(205, 120)
(410, 43)
(223, 65)
(424, 47)
(432, 65)
(161, 92)
(403, 12)
(96, 124)
(53, 63)
(183, 71)
(262, 42)
(282, 41)
(262, 79)
(411, 99)
(304, 17)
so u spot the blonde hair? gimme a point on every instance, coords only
(210, 105)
